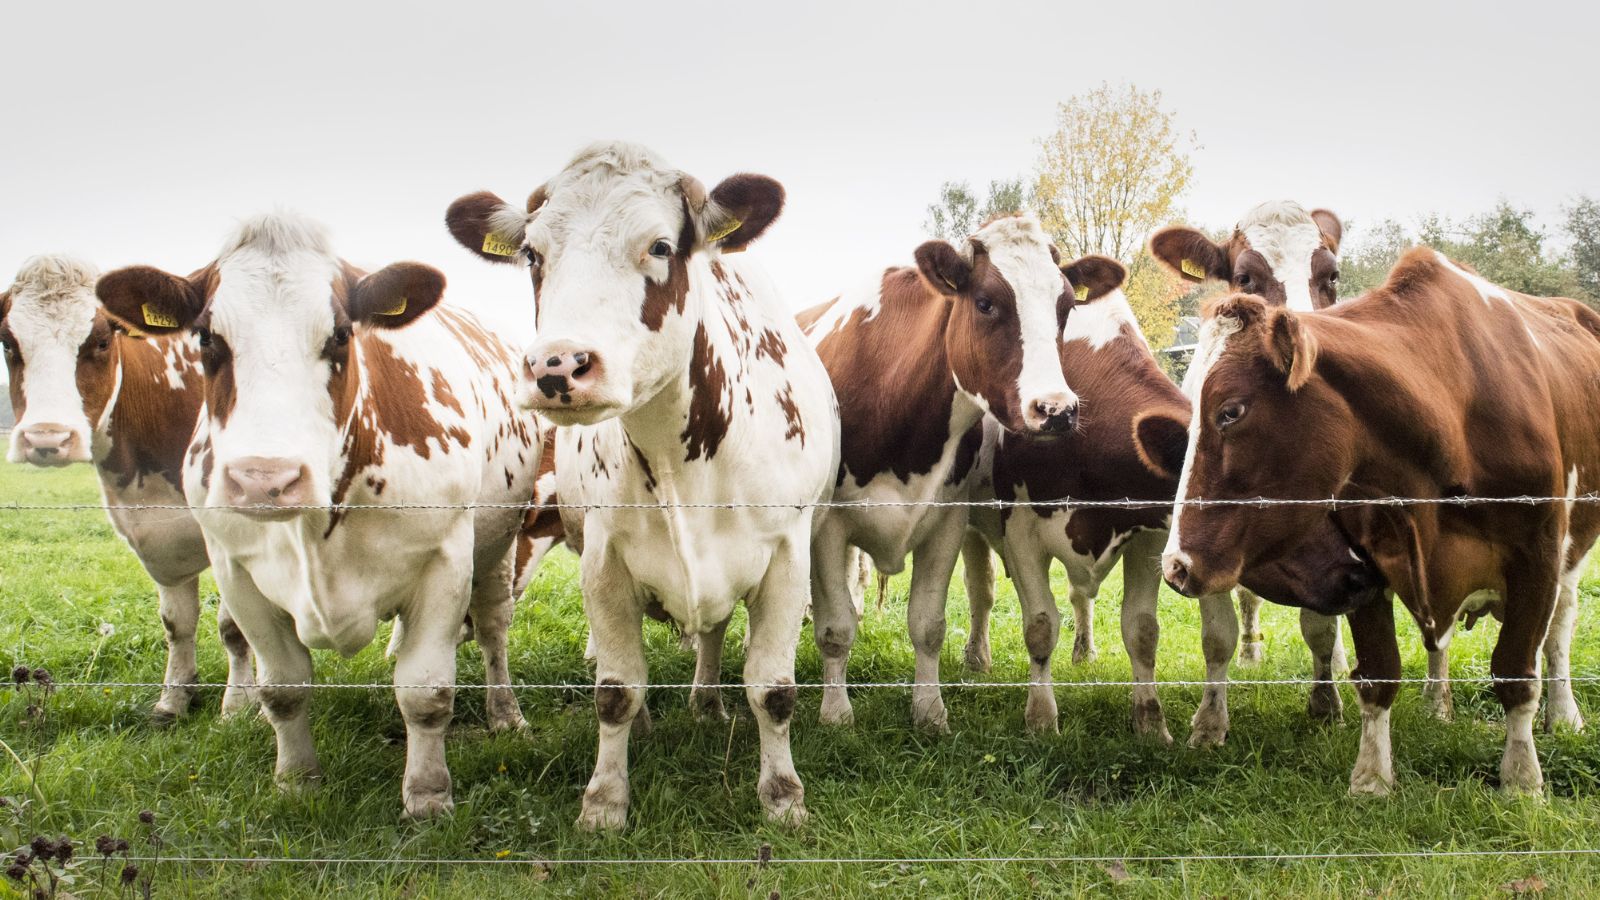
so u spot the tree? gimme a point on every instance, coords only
(958, 214)
(1368, 254)
(1506, 247)
(1109, 175)
(1583, 230)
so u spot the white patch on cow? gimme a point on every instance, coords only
(1489, 291)
(1020, 249)
(1286, 237)
(177, 357)
(866, 297)
(1101, 321)
(52, 311)
(1213, 341)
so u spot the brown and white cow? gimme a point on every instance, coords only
(332, 397)
(679, 382)
(1437, 384)
(918, 356)
(1289, 257)
(1132, 424)
(84, 389)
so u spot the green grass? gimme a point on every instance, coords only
(879, 789)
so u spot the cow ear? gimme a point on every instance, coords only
(488, 226)
(944, 267)
(1291, 347)
(395, 295)
(1094, 277)
(1190, 254)
(1330, 226)
(739, 210)
(1161, 441)
(153, 301)
(1246, 309)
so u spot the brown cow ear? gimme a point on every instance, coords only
(153, 301)
(1330, 226)
(1094, 277)
(740, 210)
(395, 295)
(1247, 309)
(1190, 254)
(1161, 441)
(488, 226)
(944, 267)
(1291, 348)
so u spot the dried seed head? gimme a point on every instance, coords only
(42, 676)
(43, 848)
(21, 674)
(130, 873)
(16, 871)
(147, 817)
(105, 845)
(64, 849)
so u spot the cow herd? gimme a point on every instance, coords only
(347, 449)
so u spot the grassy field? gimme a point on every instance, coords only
(878, 790)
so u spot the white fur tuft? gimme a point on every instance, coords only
(278, 233)
(50, 277)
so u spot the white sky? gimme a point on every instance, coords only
(130, 134)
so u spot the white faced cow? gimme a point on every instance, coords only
(331, 395)
(679, 379)
(84, 389)
(918, 357)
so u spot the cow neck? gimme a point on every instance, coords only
(146, 425)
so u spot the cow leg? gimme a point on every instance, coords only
(1141, 630)
(1321, 635)
(833, 619)
(1532, 588)
(236, 698)
(180, 613)
(1377, 658)
(1561, 708)
(1252, 642)
(1083, 648)
(776, 612)
(1436, 694)
(860, 577)
(1219, 635)
(283, 673)
(493, 600)
(707, 701)
(933, 564)
(1029, 567)
(425, 662)
(977, 574)
(616, 621)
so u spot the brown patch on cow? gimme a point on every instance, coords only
(966, 454)
(772, 346)
(443, 395)
(791, 414)
(780, 700)
(612, 702)
(152, 421)
(672, 294)
(780, 790)
(710, 401)
(644, 465)
(1039, 635)
(232, 637)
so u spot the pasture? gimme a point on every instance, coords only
(73, 600)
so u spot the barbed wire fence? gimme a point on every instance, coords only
(765, 855)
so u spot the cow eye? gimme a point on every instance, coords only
(984, 305)
(1242, 279)
(203, 336)
(1333, 277)
(661, 249)
(10, 346)
(1230, 413)
(532, 256)
(341, 335)
(104, 345)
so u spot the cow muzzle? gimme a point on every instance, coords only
(266, 487)
(564, 377)
(51, 444)
(1051, 414)
(1183, 575)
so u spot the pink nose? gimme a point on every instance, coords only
(266, 481)
(1053, 413)
(560, 371)
(48, 443)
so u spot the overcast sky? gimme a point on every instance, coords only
(130, 134)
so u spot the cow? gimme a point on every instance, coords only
(1133, 418)
(1289, 257)
(86, 389)
(359, 457)
(542, 529)
(697, 430)
(918, 356)
(1438, 384)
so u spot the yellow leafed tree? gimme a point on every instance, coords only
(1109, 175)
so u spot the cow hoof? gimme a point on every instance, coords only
(836, 710)
(297, 783)
(1083, 651)
(931, 717)
(236, 700)
(602, 814)
(1208, 729)
(1371, 784)
(1441, 706)
(1040, 716)
(978, 657)
(707, 706)
(784, 799)
(508, 723)
(1251, 653)
(161, 717)
(1150, 723)
(1519, 771)
(1325, 704)
(1563, 719)
(420, 807)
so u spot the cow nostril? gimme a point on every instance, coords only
(580, 359)
(552, 362)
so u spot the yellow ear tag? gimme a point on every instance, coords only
(1192, 269)
(727, 229)
(396, 309)
(155, 318)
(1082, 291)
(493, 244)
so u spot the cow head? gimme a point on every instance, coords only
(278, 317)
(1263, 425)
(610, 242)
(1010, 298)
(1278, 251)
(61, 354)
(1324, 572)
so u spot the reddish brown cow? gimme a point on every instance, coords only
(1437, 384)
